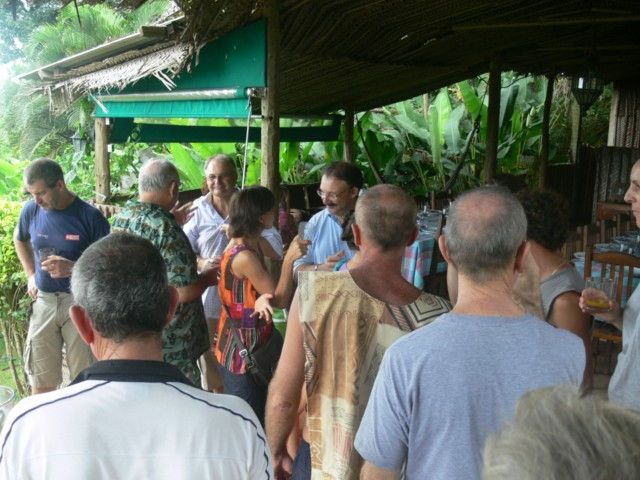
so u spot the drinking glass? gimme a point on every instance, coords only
(45, 253)
(598, 294)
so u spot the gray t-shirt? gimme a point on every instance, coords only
(443, 388)
(566, 280)
(624, 387)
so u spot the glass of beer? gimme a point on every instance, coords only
(598, 294)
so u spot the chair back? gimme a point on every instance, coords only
(613, 266)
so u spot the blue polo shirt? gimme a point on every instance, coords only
(69, 231)
(325, 241)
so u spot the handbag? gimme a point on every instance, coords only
(262, 362)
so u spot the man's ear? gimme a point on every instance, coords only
(442, 244)
(173, 304)
(81, 320)
(357, 234)
(523, 251)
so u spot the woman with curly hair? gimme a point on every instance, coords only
(560, 283)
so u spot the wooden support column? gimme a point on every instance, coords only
(270, 134)
(493, 120)
(103, 174)
(348, 135)
(546, 118)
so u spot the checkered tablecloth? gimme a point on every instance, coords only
(417, 259)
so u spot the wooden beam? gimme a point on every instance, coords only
(548, 23)
(493, 120)
(270, 135)
(103, 175)
(348, 135)
(544, 148)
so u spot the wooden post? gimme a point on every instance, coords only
(493, 120)
(270, 132)
(544, 148)
(103, 175)
(348, 135)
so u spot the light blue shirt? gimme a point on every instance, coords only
(442, 389)
(324, 231)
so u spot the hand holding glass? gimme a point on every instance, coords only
(598, 294)
(45, 253)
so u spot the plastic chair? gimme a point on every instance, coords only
(613, 266)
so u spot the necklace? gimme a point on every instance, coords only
(564, 262)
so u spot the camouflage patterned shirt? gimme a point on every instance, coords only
(185, 338)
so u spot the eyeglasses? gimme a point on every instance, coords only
(329, 196)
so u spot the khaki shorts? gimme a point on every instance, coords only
(49, 328)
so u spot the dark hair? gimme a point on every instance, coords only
(43, 169)
(547, 221)
(245, 209)
(121, 282)
(347, 232)
(345, 171)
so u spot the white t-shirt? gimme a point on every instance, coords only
(133, 420)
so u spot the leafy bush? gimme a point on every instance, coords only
(14, 301)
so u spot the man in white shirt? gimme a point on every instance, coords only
(130, 415)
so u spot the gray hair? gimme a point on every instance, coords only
(222, 158)
(484, 230)
(386, 215)
(558, 435)
(43, 169)
(156, 174)
(121, 282)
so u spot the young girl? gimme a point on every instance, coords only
(243, 278)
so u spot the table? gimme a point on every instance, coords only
(416, 263)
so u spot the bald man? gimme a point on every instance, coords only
(345, 320)
(442, 389)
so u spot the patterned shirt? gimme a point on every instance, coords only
(185, 338)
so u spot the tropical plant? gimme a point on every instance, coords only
(13, 299)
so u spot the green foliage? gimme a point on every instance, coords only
(13, 299)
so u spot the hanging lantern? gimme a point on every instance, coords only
(586, 89)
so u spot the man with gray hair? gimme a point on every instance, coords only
(186, 336)
(339, 326)
(53, 230)
(442, 389)
(130, 415)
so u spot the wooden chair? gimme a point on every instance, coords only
(613, 266)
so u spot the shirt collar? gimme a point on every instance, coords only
(144, 371)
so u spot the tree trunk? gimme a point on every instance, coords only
(544, 149)
(348, 135)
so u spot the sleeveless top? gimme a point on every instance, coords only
(238, 298)
(566, 280)
(346, 332)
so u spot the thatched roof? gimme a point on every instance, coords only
(364, 53)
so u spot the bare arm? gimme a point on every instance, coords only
(327, 266)
(284, 393)
(566, 314)
(267, 249)
(193, 291)
(246, 264)
(371, 472)
(24, 251)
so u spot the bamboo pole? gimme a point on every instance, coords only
(270, 131)
(348, 135)
(493, 120)
(103, 175)
(546, 118)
